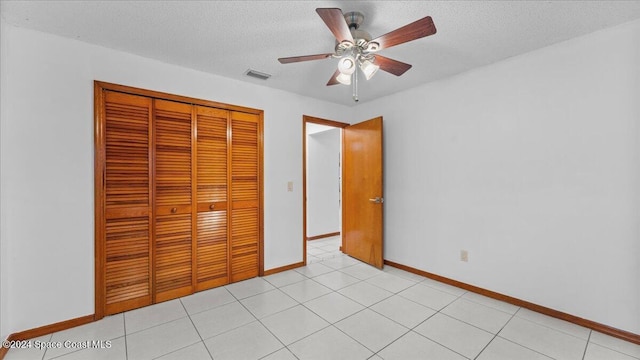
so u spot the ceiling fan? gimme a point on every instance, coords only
(356, 49)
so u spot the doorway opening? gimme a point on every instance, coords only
(322, 188)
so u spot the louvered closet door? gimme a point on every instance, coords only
(127, 202)
(212, 265)
(173, 200)
(245, 195)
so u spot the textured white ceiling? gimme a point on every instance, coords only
(229, 37)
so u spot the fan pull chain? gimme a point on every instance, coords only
(355, 85)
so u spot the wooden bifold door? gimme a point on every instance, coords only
(178, 196)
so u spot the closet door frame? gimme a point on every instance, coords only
(100, 182)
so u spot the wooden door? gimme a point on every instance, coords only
(246, 130)
(173, 200)
(212, 263)
(362, 193)
(123, 202)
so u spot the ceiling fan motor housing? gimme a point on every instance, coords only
(361, 38)
(353, 19)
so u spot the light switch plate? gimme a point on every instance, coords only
(464, 255)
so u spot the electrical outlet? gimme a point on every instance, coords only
(464, 255)
(290, 186)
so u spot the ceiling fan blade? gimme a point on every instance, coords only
(394, 67)
(335, 21)
(416, 30)
(294, 59)
(334, 79)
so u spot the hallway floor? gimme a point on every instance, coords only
(323, 249)
(336, 308)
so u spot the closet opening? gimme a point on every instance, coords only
(178, 196)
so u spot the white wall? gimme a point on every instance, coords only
(323, 182)
(530, 164)
(3, 71)
(47, 165)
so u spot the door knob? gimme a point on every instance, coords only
(377, 200)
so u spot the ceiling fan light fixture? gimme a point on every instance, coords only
(344, 79)
(369, 69)
(347, 65)
(356, 49)
(373, 46)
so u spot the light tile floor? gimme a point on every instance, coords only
(323, 249)
(336, 308)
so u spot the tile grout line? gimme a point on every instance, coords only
(403, 335)
(197, 332)
(611, 348)
(495, 335)
(526, 347)
(472, 325)
(226, 331)
(422, 322)
(124, 325)
(165, 322)
(518, 344)
(261, 323)
(284, 348)
(513, 342)
(44, 354)
(551, 328)
(487, 306)
(333, 324)
(215, 307)
(295, 282)
(330, 324)
(375, 353)
(277, 312)
(587, 345)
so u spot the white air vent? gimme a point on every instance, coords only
(257, 74)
